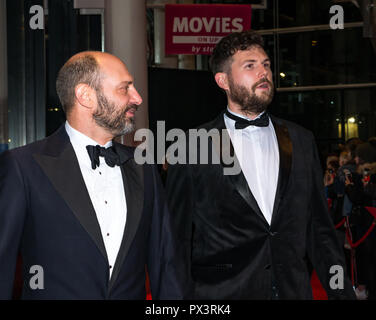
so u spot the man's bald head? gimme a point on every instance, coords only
(83, 67)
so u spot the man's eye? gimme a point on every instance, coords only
(267, 65)
(249, 66)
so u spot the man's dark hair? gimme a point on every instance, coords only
(229, 45)
(84, 69)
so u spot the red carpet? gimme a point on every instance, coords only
(317, 289)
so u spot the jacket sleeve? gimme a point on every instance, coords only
(323, 247)
(180, 198)
(12, 216)
(166, 265)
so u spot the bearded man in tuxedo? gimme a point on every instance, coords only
(78, 207)
(250, 235)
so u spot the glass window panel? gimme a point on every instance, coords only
(318, 111)
(294, 13)
(360, 115)
(326, 112)
(325, 57)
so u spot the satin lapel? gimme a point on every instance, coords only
(133, 180)
(238, 180)
(63, 170)
(285, 160)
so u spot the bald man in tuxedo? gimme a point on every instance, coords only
(77, 206)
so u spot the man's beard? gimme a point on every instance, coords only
(249, 102)
(109, 116)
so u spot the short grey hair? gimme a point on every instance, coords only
(84, 69)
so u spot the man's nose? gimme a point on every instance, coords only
(262, 72)
(136, 98)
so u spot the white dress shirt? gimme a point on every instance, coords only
(106, 191)
(257, 151)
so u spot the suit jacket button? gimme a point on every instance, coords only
(267, 267)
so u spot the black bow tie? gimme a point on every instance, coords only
(242, 123)
(110, 156)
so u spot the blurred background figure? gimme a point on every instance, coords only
(360, 186)
(344, 158)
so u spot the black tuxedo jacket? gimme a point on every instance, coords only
(231, 251)
(47, 215)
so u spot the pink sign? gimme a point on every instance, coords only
(196, 28)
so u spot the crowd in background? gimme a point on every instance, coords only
(350, 186)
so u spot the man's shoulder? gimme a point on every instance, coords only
(203, 129)
(20, 156)
(293, 128)
(216, 123)
(39, 146)
(28, 149)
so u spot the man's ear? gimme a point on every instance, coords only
(84, 95)
(222, 80)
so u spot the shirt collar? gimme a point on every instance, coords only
(242, 116)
